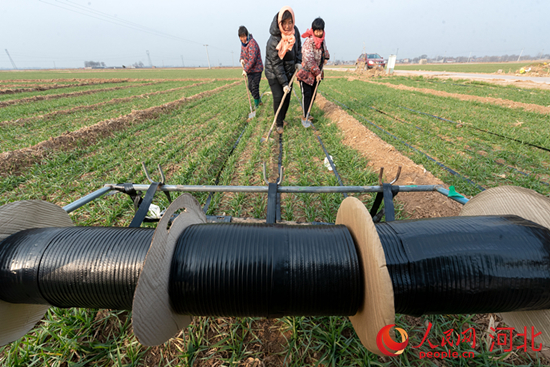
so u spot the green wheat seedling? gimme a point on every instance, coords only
(22, 136)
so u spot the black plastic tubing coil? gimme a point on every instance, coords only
(465, 265)
(91, 267)
(265, 270)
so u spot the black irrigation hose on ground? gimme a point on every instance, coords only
(501, 164)
(478, 129)
(453, 172)
(329, 159)
(332, 165)
(210, 195)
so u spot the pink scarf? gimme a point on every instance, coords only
(318, 41)
(287, 38)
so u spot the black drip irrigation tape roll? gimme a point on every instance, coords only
(450, 170)
(90, 267)
(265, 270)
(478, 129)
(20, 256)
(467, 265)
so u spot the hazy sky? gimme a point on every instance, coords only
(68, 32)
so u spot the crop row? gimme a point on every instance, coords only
(303, 162)
(17, 136)
(192, 144)
(6, 98)
(51, 89)
(167, 140)
(146, 74)
(37, 108)
(475, 88)
(25, 100)
(34, 84)
(486, 159)
(507, 67)
(89, 107)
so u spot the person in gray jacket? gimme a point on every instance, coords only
(283, 56)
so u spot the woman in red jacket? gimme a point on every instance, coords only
(251, 60)
(314, 56)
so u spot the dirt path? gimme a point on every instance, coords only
(495, 78)
(53, 114)
(12, 162)
(527, 81)
(381, 154)
(63, 95)
(466, 97)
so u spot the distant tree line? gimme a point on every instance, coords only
(97, 64)
(94, 64)
(450, 59)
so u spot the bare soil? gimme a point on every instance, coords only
(381, 154)
(12, 162)
(369, 73)
(536, 69)
(529, 84)
(50, 115)
(466, 97)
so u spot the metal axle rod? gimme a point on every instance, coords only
(261, 189)
(282, 189)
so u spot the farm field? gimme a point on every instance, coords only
(475, 88)
(76, 74)
(465, 144)
(188, 121)
(467, 68)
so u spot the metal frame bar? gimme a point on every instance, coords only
(86, 199)
(260, 189)
(144, 206)
(443, 191)
(283, 189)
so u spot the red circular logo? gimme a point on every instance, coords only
(387, 345)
